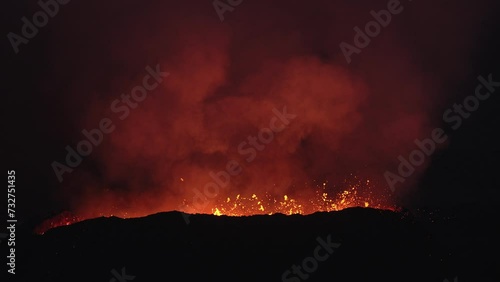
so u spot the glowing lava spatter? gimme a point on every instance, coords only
(64, 218)
(310, 199)
(357, 195)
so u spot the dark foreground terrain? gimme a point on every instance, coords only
(358, 244)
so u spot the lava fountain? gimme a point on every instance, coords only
(354, 193)
(359, 194)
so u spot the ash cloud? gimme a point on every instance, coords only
(227, 77)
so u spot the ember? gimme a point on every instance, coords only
(357, 195)
(65, 218)
(354, 193)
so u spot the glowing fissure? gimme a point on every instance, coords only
(358, 194)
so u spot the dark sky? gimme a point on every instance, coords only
(226, 77)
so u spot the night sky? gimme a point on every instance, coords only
(224, 79)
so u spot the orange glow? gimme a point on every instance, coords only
(65, 218)
(241, 205)
(358, 194)
(322, 199)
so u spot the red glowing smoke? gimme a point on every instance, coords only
(225, 79)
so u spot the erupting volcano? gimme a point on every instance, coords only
(358, 193)
(226, 100)
(253, 140)
(308, 131)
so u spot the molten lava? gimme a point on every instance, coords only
(62, 219)
(357, 193)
